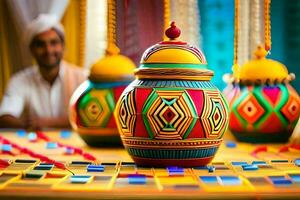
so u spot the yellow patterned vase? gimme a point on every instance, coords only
(93, 103)
(264, 107)
(171, 114)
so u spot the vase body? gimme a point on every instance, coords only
(263, 113)
(93, 102)
(171, 114)
(171, 122)
(91, 112)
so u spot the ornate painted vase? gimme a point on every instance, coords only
(171, 114)
(264, 106)
(93, 102)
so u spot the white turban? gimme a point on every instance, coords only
(42, 23)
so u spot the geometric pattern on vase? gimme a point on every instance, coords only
(215, 114)
(272, 110)
(279, 103)
(251, 100)
(169, 113)
(250, 109)
(291, 109)
(127, 113)
(96, 107)
(272, 94)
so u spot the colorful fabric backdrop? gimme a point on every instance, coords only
(217, 36)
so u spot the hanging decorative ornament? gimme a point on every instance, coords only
(236, 67)
(264, 106)
(243, 31)
(93, 102)
(172, 115)
(167, 16)
(255, 26)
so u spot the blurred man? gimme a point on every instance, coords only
(38, 96)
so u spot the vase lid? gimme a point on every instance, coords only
(112, 67)
(173, 59)
(263, 70)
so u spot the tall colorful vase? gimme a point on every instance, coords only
(264, 106)
(93, 102)
(171, 114)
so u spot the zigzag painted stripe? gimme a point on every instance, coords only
(172, 153)
(174, 83)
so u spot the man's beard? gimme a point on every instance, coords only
(49, 66)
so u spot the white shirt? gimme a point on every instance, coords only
(28, 92)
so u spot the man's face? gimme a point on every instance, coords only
(47, 48)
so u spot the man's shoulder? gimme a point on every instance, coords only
(71, 66)
(73, 69)
(24, 74)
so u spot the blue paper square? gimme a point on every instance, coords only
(295, 177)
(81, 179)
(258, 162)
(65, 134)
(21, 133)
(95, 168)
(32, 136)
(280, 181)
(230, 180)
(51, 145)
(297, 162)
(249, 167)
(138, 179)
(230, 144)
(6, 147)
(238, 163)
(69, 151)
(173, 170)
(209, 179)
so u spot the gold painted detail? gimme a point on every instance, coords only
(185, 74)
(166, 144)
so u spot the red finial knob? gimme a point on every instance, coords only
(172, 32)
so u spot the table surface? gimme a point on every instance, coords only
(235, 172)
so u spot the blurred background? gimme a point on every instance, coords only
(208, 24)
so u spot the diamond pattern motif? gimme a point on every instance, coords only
(215, 114)
(250, 109)
(265, 109)
(291, 109)
(96, 107)
(127, 113)
(169, 114)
